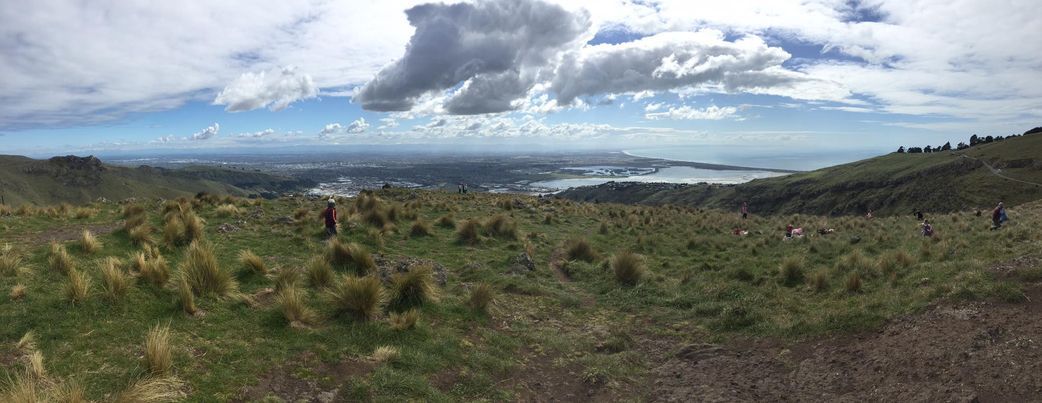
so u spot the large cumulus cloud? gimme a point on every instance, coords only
(494, 51)
(274, 89)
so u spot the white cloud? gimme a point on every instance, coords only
(685, 112)
(208, 133)
(259, 134)
(335, 130)
(274, 89)
(388, 123)
(358, 126)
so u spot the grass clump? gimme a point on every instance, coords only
(141, 235)
(350, 256)
(853, 283)
(361, 298)
(403, 320)
(419, 228)
(791, 270)
(481, 297)
(469, 232)
(114, 281)
(228, 210)
(293, 307)
(414, 287)
(77, 286)
(158, 359)
(9, 263)
(628, 268)
(580, 249)
(286, 278)
(154, 270)
(204, 276)
(185, 297)
(319, 273)
(500, 226)
(153, 390)
(446, 221)
(89, 243)
(252, 263)
(60, 260)
(17, 292)
(819, 281)
(384, 354)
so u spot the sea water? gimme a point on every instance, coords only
(794, 158)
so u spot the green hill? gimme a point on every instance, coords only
(977, 177)
(82, 179)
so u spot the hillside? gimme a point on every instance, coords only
(434, 296)
(895, 183)
(82, 179)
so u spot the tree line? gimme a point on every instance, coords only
(974, 141)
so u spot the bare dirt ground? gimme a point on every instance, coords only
(963, 352)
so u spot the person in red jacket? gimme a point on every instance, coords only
(329, 215)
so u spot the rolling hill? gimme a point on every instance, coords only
(896, 183)
(81, 179)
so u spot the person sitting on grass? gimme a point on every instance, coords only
(738, 231)
(791, 232)
(927, 228)
(329, 215)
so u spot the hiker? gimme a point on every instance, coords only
(998, 216)
(869, 215)
(459, 188)
(329, 215)
(745, 210)
(918, 214)
(464, 187)
(927, 228)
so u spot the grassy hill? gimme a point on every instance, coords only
(436, 296)
(889, 184)
(83, 179)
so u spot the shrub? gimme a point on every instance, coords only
(114, 281)
(185, 297)
(76, 286)
(446, 221)
(320, 273)
(359, 297)
(414, 287)
(141, 235)
(791, 270)
(157, 351)
(403, 320)
(481, 296)
(228, 210)
(628, 268)
(252, 263)
(500, 226)
(468, 232)
(580, 249)
(203, 274)
(89, 243)
(291, 302)
(60, 259)
(419, 228)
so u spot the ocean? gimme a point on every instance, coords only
(758, 156)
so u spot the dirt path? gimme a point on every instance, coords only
(974, 351)
(998, 172)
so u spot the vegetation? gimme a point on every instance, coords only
(459, 319)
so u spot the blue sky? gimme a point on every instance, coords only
(550, 75)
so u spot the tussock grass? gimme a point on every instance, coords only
(385, 354)
(291, 302)
(185, 297)
(141, 235)
(446, 221)
(420, 229)
(153, 390)
(500, 226)
(403, 320)
(10, 262)
(158, 353)
(77, 286)
(34, 365)
(819, 281)
(361, 298)
(580, 249)
(319, 272)
(60, 260)
(27, 343)
(17, 292)
(791, 270)
(350, 256)
(414, 287)
(132, 210)
(286, 278)
(114, 281)
(469, 232)
(133, 222)
(83, 213)
(182, 227)
(252, 263)
(155, 271)
(228, 210)
(202, 272)
(628, 268)
(481, 297)
(853, 283)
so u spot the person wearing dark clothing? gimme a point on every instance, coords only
(329, 216)
(918, 214)
(745, 210)
(998, 216)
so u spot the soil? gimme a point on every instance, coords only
(288, 382)
(979, 351)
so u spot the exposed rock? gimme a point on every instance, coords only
(522, 263)
(226, 228)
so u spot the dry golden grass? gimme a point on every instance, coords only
(580, 249)
(153, 390)
(286, 278)
(17, 292)
(500, 226)
(228, 210)
(34, 365)
(27, 343)
(446, 221)
(819, 281)
(359, 297)
(414, 287)
(185, 297)
(349, 256)
(202, 272)
(320, 273)
(791, 270)
(419, 228)
(481, 297)
(9, 263)
(853, 283)
(77, 286)
(628, 268)
(403, 320)
(60, 260)
(291, 301)
(141, 235)
(158, 354)
(155, 271)
(252, 263)
(384, 354)
(114, 281)
(469, 232)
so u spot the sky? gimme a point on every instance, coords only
(276, 75)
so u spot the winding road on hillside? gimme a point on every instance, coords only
(998, 172)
